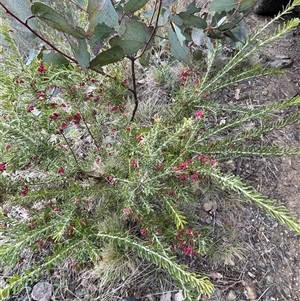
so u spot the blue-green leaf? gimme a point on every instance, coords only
(133, 38)
(101, 11)
(180, 52)
(134, 5)
(53, 19)
(109, 56)
(81, 53)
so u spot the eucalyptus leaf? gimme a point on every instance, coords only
(192, 8)
(228, 5)
(193, 20)
(133, 38)
(56, 21)
(180, 52)
(145, 58)
(101, 11)
(134, 5)
(81, 53)
(22, 11)
(198, 36)
(109, 56)
(97, 40)
(53, 58)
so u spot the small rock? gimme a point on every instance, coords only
(42, 291)
(231, 296)
(250, 292)
(281, 61)
(210, 207)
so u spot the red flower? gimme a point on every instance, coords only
(63, 126)
(60, 171)
(54, 116)
(182, 177)
(144, 231)
(198, 114)
(188, 250)
(41, 95)
(134, 163)
(140, 138)
(127, 210)
(111, 179)
(8, 147)
(42, 68)
(213, 161)
(77, 118)
(159, 166)
(203, 158)
(2, 166)
(30, 108)
(24, 190)
(194, 176)
(27, 166)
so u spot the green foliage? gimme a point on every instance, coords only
(73, 155)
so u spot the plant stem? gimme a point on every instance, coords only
(133, 91)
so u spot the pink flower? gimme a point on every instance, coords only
(140, 138)
(42, 69)
(198, 114)
(182, 177)
(128, 128)
(213, 161)
(2, 166)
(111, 179)
(41, 95)
(127, 210)
(77, 118)
(60, 171)
(8, 147)
(24, 190)
(188, 250)
(159, 166)
(30, 108)
(134, 164)
(203, 158)
(54, 116)
(144, 231)
(194, 176)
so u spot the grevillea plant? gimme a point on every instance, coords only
(86, 173)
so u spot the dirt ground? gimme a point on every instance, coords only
(271, 269)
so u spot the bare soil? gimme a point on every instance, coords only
(271, 269)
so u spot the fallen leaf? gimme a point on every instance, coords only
(250, 292)
(215, 275)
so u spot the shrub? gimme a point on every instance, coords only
(88, 173)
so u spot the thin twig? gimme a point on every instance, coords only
(69, 146)
(153, 31)
(89, 131)
(37, 34)
(133, 91)
(45, 41)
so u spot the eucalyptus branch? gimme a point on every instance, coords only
(133, 91)
(25, 24)
(153, 31)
